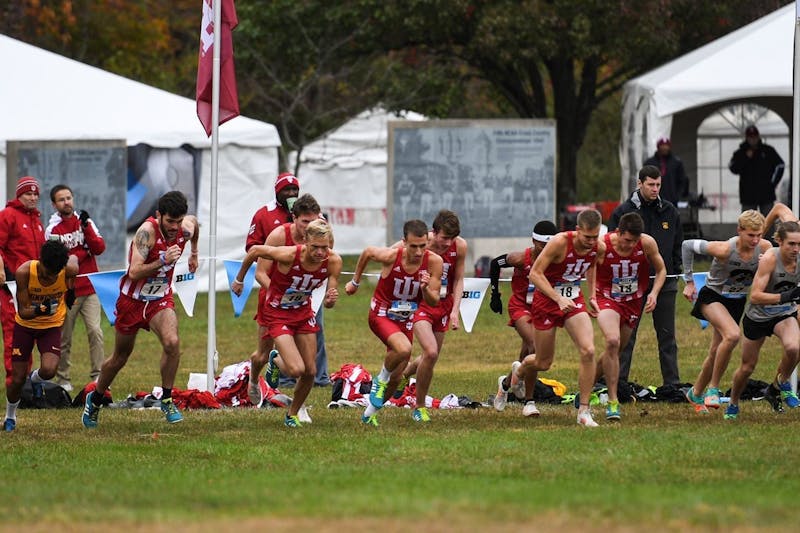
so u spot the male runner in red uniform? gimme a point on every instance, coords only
(296, 271)
(145, 300)
(410, 274)
(558, 302)
(622, 275)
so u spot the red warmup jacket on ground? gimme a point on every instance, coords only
(83, 243)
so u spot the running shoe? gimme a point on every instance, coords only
(501, 398)
(530, 409)
(420, 414)
(90, 412)
(273, 372)
(696, 402)
(401, 387)
(773, 396)
(254, 392)
(731, 412)
(788, 395)
(612, 412)
(585, 419)
(291, 421)
(9, 425)
(377, 393)
(517, 388)
(170, 411)
(711, 398)
(303, 416)
(370, 420)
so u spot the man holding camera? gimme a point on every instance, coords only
(77, 231)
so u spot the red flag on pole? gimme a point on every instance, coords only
(228, 96)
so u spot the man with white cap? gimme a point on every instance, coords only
(21, 238)
(519, 309)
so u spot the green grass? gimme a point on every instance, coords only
(663, 467)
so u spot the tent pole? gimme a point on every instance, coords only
(211, 346)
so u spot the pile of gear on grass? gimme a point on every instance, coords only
(350, 388)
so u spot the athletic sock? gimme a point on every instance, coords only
(385, 375)
(166, 394)
(35, 378)
(11, 409)
(370, 410)
(97, 399)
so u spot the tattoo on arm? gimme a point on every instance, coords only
(142, 240)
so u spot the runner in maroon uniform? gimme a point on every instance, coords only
(304, 211)
(519, 306)
(622, 276)
(296, 272)
(145, 300)
(558, 302)
(431, 322)
(410, 274)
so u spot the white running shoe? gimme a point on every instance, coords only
(585, 419)
(517, 384)
(302, 415)
(530, 409)
(501, 398)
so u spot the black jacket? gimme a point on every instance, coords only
(674, 182)
(758, 175)
(663, 223)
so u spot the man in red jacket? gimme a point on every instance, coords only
(79, 234)
(21, 238)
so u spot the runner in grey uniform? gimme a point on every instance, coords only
(773, 299)
(722, 300)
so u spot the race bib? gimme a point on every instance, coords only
(154, 288)
(568, 289)
(731, 289)
(529, 295)
(777, 309)
(293, 298)
(443, 288)
(624, 286)
(401, 310)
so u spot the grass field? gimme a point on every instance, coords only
(662, 468)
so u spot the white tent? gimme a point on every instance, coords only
(346, 171)
(50, 97)
(751, 64)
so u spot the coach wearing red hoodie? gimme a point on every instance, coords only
(78, 233)
(21, 238)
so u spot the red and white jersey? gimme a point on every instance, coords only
(292, 291)
(565, 277)
(397, 296)
(623, 278)
(521, 287)
(159, 285)
(448, 269)
(289, 240)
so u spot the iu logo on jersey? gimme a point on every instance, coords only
(576, 270)
(625, 269)
(405, 289)
(306, 283)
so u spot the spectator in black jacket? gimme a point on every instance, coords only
(674, 182)
(661, 221)
(760, 169)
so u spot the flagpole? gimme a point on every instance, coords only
(211, 346)
(795, 176)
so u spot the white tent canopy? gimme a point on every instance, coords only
(346, 171)
(753, 63)
(50, 97)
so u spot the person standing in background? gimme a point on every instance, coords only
(760, 169)
(80, 235)
(21, 238)
(674, 182)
